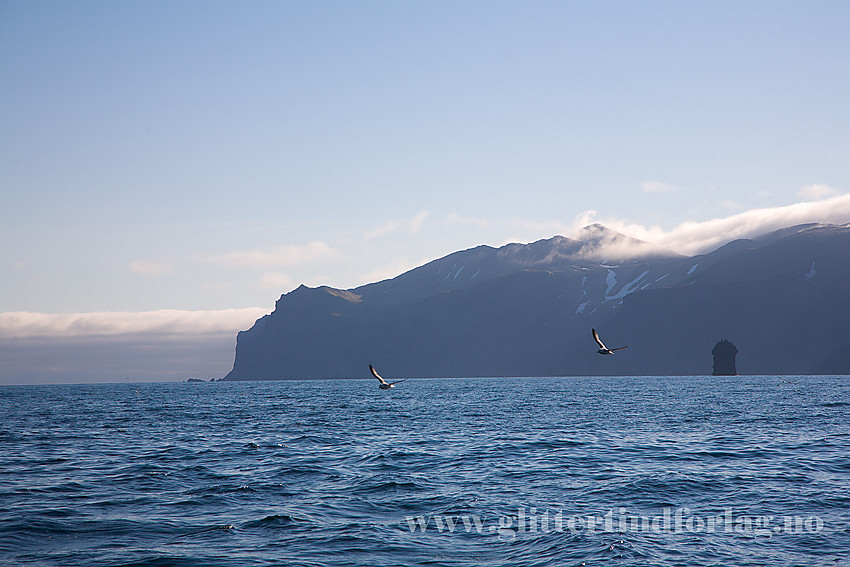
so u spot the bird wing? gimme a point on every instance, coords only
(598, 340)
(376, 375)
(619, 348)
(397, 382)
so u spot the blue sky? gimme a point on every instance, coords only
(204, 157)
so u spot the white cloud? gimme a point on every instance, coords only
(384, 229)
(418, 219)
(701, 237)
(657, 187)
(816, 192)
(686, 238)
(288, 255)
(24, 324)
(394, 225)
(146, 268)
(584, 219)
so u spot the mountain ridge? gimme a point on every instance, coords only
(523, 309)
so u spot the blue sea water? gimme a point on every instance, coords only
(748, 470)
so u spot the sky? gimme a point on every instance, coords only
(169, 169)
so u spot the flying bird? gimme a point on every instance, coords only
(602, 348)
(384, 385)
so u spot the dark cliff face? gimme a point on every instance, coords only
(527, 310)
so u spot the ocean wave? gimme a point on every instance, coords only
(253, 474)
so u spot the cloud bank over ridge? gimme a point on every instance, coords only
(691, 238)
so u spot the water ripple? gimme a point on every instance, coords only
(621, 471)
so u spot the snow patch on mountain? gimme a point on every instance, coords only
(812, 272)
(630, 287)
(611, 280)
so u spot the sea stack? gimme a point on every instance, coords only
(724, 358)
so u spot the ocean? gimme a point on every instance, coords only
(695, 471)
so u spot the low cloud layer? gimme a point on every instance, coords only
(700, 237)
(166, 344)
(25, 324)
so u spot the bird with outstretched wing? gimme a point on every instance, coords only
(384, 385)
(602, 348)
